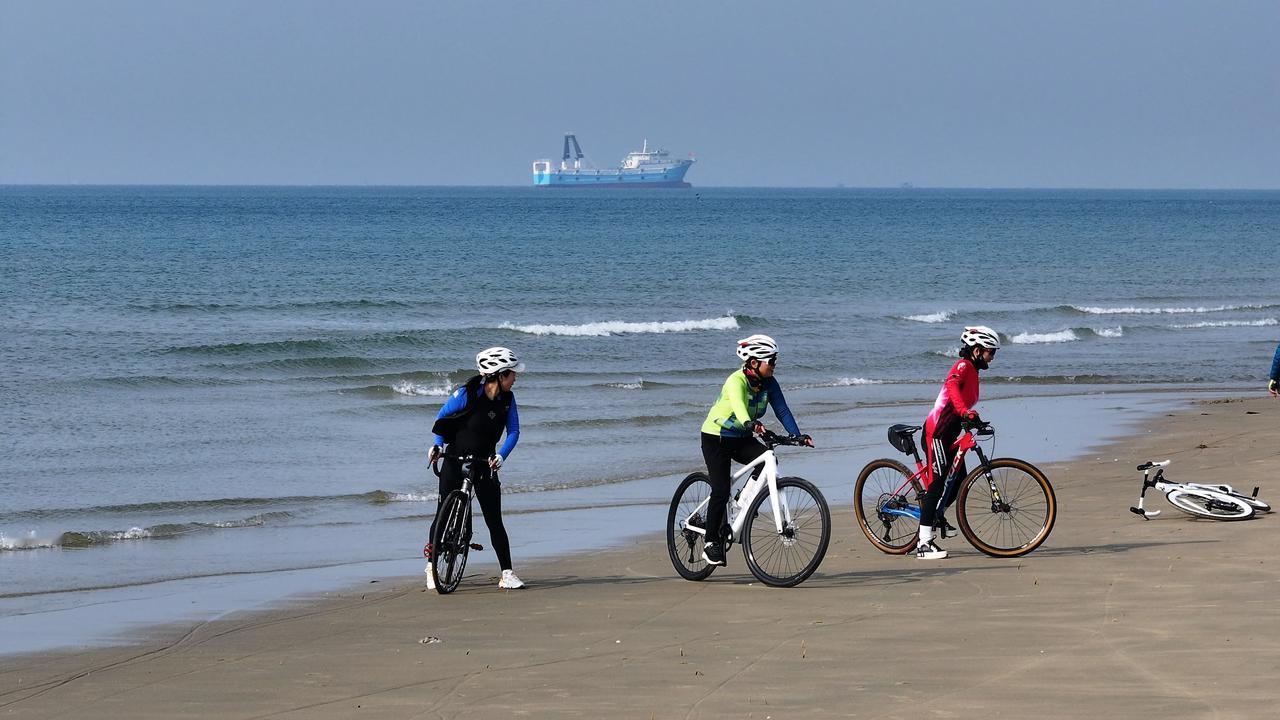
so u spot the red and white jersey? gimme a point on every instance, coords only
(957, 397)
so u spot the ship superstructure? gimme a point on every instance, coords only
(643, 168)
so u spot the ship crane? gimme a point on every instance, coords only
(577, 151)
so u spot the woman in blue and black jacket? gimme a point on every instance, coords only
(471, 423)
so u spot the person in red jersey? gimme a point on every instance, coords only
(954, 405)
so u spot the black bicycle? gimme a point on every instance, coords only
(451, 540)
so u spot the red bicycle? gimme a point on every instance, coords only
(1005, 507)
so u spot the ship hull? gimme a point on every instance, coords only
(672, 177)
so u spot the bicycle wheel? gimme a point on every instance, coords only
(1019, 521)
(887, 512)
(1209, 504)
(1259, 506)
(689, 505)
(785, 559)
(451, 542)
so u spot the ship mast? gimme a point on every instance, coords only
(577, 161)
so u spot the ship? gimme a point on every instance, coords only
(644, 168)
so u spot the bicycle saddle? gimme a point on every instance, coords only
(900, 438)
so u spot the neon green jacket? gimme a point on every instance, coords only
(738, 405)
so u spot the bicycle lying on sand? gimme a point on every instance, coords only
(1005, 507)
(1217, 502)
(784, 524)
(451, 540)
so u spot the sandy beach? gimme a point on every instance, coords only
(1171, 618)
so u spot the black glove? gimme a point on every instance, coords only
(755, 427)
(806, 440)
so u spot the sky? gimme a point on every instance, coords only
(1018, 93)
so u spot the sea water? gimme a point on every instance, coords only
(209, 384)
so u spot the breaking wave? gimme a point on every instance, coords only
(938, 317)
(1265, 322)
(1131, 310)
(607, 328)
(405, 387)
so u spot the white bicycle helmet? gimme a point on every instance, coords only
(980, 335)
(497, 359)
(760, 347)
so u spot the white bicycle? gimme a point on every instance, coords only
(1217, 502)
(784, 524)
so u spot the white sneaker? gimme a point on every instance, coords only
(431, 577)
(929, 551)
(509, 581)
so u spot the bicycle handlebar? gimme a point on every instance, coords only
(1148, 464)
(980, 427)
(464, 459)
(772, 439)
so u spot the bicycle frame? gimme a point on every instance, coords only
(1166, 486)
(963, 444)
(766, 479)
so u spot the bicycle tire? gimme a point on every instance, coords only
(875, 490)
(1259, 506)
(1209, 504)
(685, 546)
(788, 559)
(1023, 519)
(450, 544)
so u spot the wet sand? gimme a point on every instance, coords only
(1173, 617)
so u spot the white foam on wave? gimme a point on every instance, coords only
(412, 497)
(1160, 310)
(1039, 338)
(637, 385)
(29, 542)
(1265, 322)
(940, 316)
(851, 381)
(404, 387)
(618, 327)
(1114, 332)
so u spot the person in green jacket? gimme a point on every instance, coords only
(727, 433)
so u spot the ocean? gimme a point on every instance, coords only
(220, 384)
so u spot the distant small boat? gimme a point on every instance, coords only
(644, 168)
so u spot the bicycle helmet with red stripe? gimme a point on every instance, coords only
(760, 347)
(980, 335)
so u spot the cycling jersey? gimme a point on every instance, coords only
(957, 397)
(481, 429)
(738, 404)
(1275, 366)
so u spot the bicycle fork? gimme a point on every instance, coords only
(998, 505)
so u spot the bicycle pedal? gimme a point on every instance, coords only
(476, 546)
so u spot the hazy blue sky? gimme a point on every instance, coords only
(979, 94)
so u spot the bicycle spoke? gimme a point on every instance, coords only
(787, 558)
(883, 494)
(1020, 521)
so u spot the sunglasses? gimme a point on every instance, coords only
(770, 361)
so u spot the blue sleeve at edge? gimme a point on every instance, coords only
(513, 431)
(779, 405)
(456, 402)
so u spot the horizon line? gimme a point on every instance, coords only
(695, 187)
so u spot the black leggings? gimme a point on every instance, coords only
(942, 490)
(718, 451)
(488, 492)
